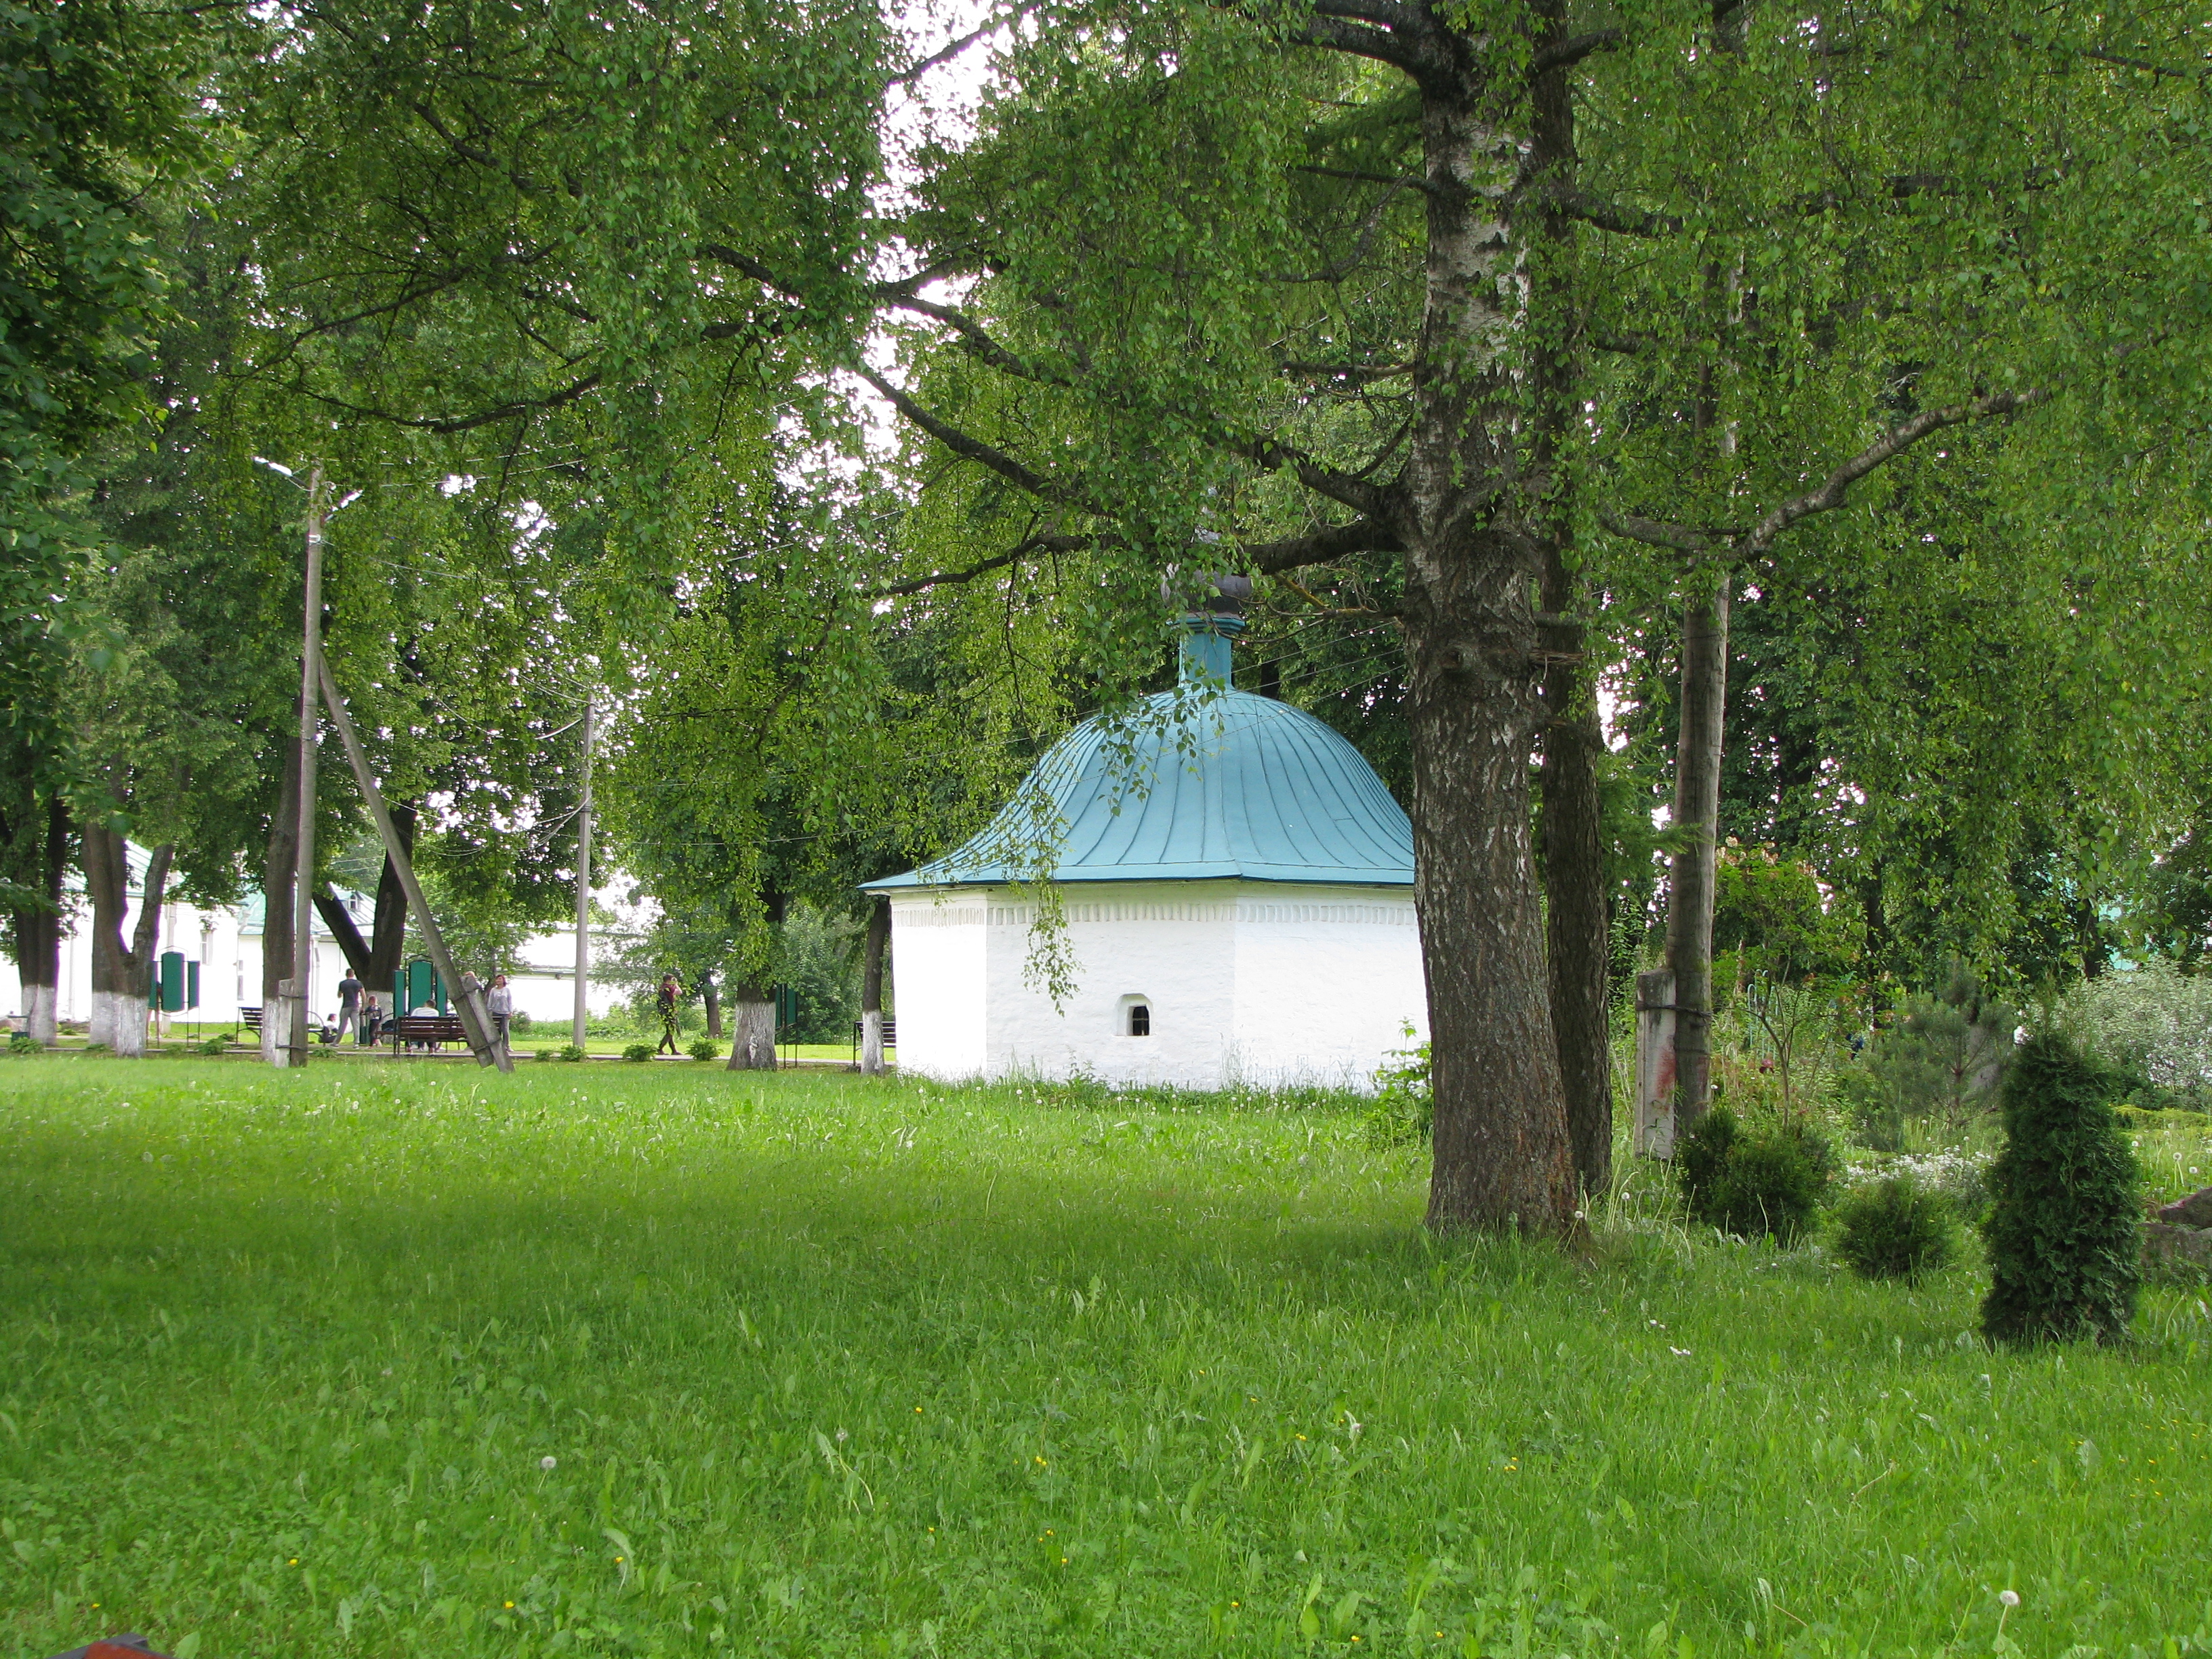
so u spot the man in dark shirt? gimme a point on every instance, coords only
(349, 990)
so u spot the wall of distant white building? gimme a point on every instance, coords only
(226, 941)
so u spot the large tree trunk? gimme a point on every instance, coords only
(1575, 922)
(276, 873)
(1475, 665)
(387, 939)
(752, 1029)
(710, 995)
(375, 959)
(872, 987)
(1694, 880)
(122, 974)
(1691, 882)
(377, 956)
(38, 929)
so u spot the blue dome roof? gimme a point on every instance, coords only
(1194, 788)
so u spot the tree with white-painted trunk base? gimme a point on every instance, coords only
(753, 1030)
(121, 973)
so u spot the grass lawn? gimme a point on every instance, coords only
(389, 1359)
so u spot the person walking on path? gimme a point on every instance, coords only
(500, 1002)
(349, 990)
(665, 1001)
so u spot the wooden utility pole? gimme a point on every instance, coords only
(468, 995)
(293, 1050)
(583, 888)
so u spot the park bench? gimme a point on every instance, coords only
(423, 1031)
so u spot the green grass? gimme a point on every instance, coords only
(831, 1366)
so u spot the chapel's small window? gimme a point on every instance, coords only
(1141, 1019)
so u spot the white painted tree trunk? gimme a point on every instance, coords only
(871, 1041)
(43, 1004)
(752, 1033)
(119, 1019)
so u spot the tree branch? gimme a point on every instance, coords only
(1611, 216)
(453, 423)
(984, 566)
(1333, 34)
(970, 448)
(1678, 538)
(1566, 53)
(1831, 493)
(946, 54)
(1321, 546)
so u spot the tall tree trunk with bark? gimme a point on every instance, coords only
(710, 995)
(872, 987)
(1692, 879)
(1576, 933)
(752, 1028)
(376, 959)
(121, 973)
(38, 927)
(276, 876)
(1475, 668)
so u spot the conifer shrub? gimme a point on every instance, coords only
(2064, 1228)
(1945, 1058)
(1892, 1228)
(571, 1051)
(638, 1051)
(705, 1049)
(1751, 1183)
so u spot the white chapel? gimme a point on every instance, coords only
(1237, 890)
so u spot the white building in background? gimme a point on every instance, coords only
(225, 941)
(1236, 885)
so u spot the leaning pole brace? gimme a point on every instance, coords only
(467, 997)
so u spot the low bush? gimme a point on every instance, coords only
(547, 1054)
(2151, 1025)
(2065, 1228)
(638, 1051)
(1893, 1229)
(1960, 1179)
(215, 1045)
(22, 1042)
(1403, 1112)
(705, 1049)
(571, 1051)
(1752, 1183)
(519, 1021)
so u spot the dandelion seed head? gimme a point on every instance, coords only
(2010, 1598)
(548, 1463)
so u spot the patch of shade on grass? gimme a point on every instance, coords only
(381, 1359)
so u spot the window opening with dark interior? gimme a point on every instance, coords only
(1141, 1019)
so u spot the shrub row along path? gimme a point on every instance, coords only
(390, 1360)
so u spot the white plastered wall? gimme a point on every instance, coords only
(1170, 944)
(1258, 982)
(1328, 978)
(939, 957)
